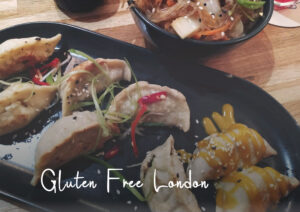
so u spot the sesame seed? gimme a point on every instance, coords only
(135, 208)
(98, 171)
(198, 3)
(222, 34)
(232, 18)
(129, 202)
(203, 208)
(197, 121)
(118, 191)
(201, 8)
(196, 136)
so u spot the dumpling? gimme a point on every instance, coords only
(68, 138)
(165, 161)
(18, 54)
(172, 111)
(20, 103)
(77, 87)
(221, 153)
(252, 189)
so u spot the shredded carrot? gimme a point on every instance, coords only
(170, 3)
(224, 28)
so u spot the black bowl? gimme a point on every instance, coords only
(166, 41)
(77, 5)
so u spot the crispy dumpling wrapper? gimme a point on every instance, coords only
(68, 138)
(78, 87)
(253, 189)
(172, 111)
(165, 161)
(16, 55)
(20, 103)
(219, 154)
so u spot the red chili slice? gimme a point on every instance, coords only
(52, 64)
(111, 153)
(143, 102)
(35, 77)
(38, 81)
(36, 74)
(152, 98)
(142, 110)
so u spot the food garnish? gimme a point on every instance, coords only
(38, 73)
(143, 102)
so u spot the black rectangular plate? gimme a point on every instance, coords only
(206, 91)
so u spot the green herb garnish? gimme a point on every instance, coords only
(253, 5)
(100, 116)
(90, 59)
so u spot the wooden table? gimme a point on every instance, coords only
(271, 59)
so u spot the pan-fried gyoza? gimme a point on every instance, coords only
(78, 86)
(17, 55)
(172, 111)
(219, 154)
(68, 138)
(253, 189)
(20, 103)
(165, 161)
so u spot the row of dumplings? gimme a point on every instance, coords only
(227, 157)
(76, 132)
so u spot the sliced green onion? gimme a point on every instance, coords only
(31, 94)
(119, 117)
(253, 5)
(60, 78)
(134, 191)
(247, 15)
(18, 79)
(99, 113)
(109, 90)
(5, 83)
(50, 79)
(134, 102)
(90, 59)
(134, 77)
(81, 105)
(230, 12)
